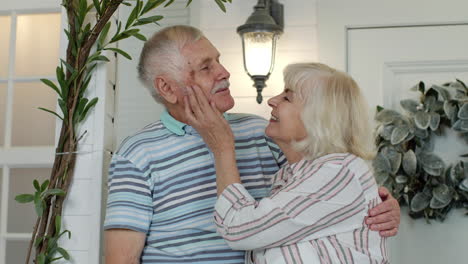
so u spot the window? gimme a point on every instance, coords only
(29, 51)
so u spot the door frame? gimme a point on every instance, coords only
(336, 17)
(388, 26)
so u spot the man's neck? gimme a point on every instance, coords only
(177, 115)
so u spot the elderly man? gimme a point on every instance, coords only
(162, 185)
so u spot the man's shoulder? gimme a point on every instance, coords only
(242, 118)
(149, 135)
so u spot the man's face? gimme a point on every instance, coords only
(204, 70)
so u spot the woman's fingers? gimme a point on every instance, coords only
(194, 104)
(201, 97)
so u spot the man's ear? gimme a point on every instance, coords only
(166, 89)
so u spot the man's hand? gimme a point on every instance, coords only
(123, 246)
(385, 217)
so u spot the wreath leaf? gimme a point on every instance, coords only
(406, 163)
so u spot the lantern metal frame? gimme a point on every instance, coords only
(267, 17)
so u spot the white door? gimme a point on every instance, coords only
(388, 46)
(386, 62)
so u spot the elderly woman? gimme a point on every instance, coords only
(318, 203)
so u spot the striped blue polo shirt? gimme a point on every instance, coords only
(162, 182)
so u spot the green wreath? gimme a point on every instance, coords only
(405, 162)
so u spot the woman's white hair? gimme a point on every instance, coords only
(161, 55)
(335, 113)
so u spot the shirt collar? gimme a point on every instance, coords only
(172, 124)
(177, 127)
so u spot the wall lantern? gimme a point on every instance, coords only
(259, 35)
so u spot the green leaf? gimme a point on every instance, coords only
(65, 232)
(63, 84)
(151, 4)
(460, 125)
(36, 185)
(401, 179)
(104, 32)
(221, 5)
(421, 133)
(58, 192)
(89, 106)
(462, 83)
(463, 112)
(169, 3)
(379, 108)
(64, 253)
(38, 241)
(44, 185)
(50, 111)
(133, 15)
(58, 223)
(399, 134)
(24, 198)
(52, 85)
(381, 163)
(441, 91)
(386, 131)
(422, 119)
(63, 107)
(421, 87)
(82, 9)
(394, 157)
(38, 204)
(437, 204)
(387, 116)
(456, 173)
(97, 6)
(420, 202)
(450, 109)
(430, 101)
(41, 259)
(147, 20)
(124, 35)
(140, 37)
(409, 105)
(101, 58)
(442, 194)
(85, 84)
(464, 185)
(188, 3)
(121, 52)
(81, 106)
(55, 259)
(435, 121)
(431, 160)
(409, 162)
(383, 179)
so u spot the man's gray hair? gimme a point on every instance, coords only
(161, 55)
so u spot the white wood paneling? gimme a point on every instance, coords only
(334, 16)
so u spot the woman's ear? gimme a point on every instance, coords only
(166, 89)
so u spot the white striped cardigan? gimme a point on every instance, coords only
(314, 214)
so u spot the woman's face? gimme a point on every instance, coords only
(285, 122)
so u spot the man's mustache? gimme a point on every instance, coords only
(220, 85)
